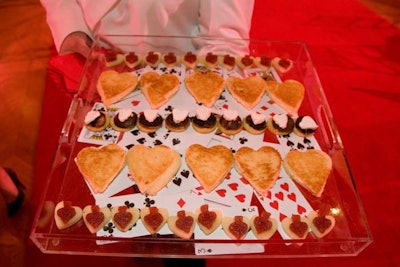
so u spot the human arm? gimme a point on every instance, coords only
(65, 19)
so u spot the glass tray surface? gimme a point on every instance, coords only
(350, 235)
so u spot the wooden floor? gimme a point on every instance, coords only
(25, 45)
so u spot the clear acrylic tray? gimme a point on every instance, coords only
(350, 235)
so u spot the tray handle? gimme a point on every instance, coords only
(329, 131)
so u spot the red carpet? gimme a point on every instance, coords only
(357, 58)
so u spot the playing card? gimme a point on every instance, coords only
(232, 192)
(108, 136)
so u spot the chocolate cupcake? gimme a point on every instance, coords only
(255, 123)
(124, 120)
(204, 121)
(177, 121)
(149, 121)
(97, 121)
(280, 124)
(305, 126)
(230, 122)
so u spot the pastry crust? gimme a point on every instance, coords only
(286, 222)
(158, 89)
(159, 215)
(205, 87)
(203, 213)
(209, 165)
(75, 216)
(310, 169)
(91, 215)
(152, 168)
(100, 165)
(248, 91)
(288, 95)
(257, 220)
(124, 218)
(260, 167)
(186, 217)
(314, 228)
(204, 130)
(228, 221)
(113, 86)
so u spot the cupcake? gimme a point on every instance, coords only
(149, 121)
(204, 121)
(124, 120)
(178, 120)
(305, 126)
(280, 124)
(230, 122)
(255, 123)
(97, 121)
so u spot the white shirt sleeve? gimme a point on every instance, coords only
(225, 19)
(63, 18)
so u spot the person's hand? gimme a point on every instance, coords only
(76, 42)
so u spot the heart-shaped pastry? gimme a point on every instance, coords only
(152, 168)
(158, 89)
(247, 91)
(95, 217)
(66, 215)
(310, 169)
(205, 87)
(209, 165)
(263, 226)
(288, 95)
(112, 86)
(296, 227)
(208, 220)
(153, 218)
(182, 224)
(124, 217)
(100, 165)
(320, 224)
(236, 227)
(260, 167)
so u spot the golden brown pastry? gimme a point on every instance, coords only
(209, 165)
(152, 168)
(260, 167)
(246, 91)
(310, 169)
(113, 86)
(100, 165)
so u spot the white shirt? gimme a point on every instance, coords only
(201, 18)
